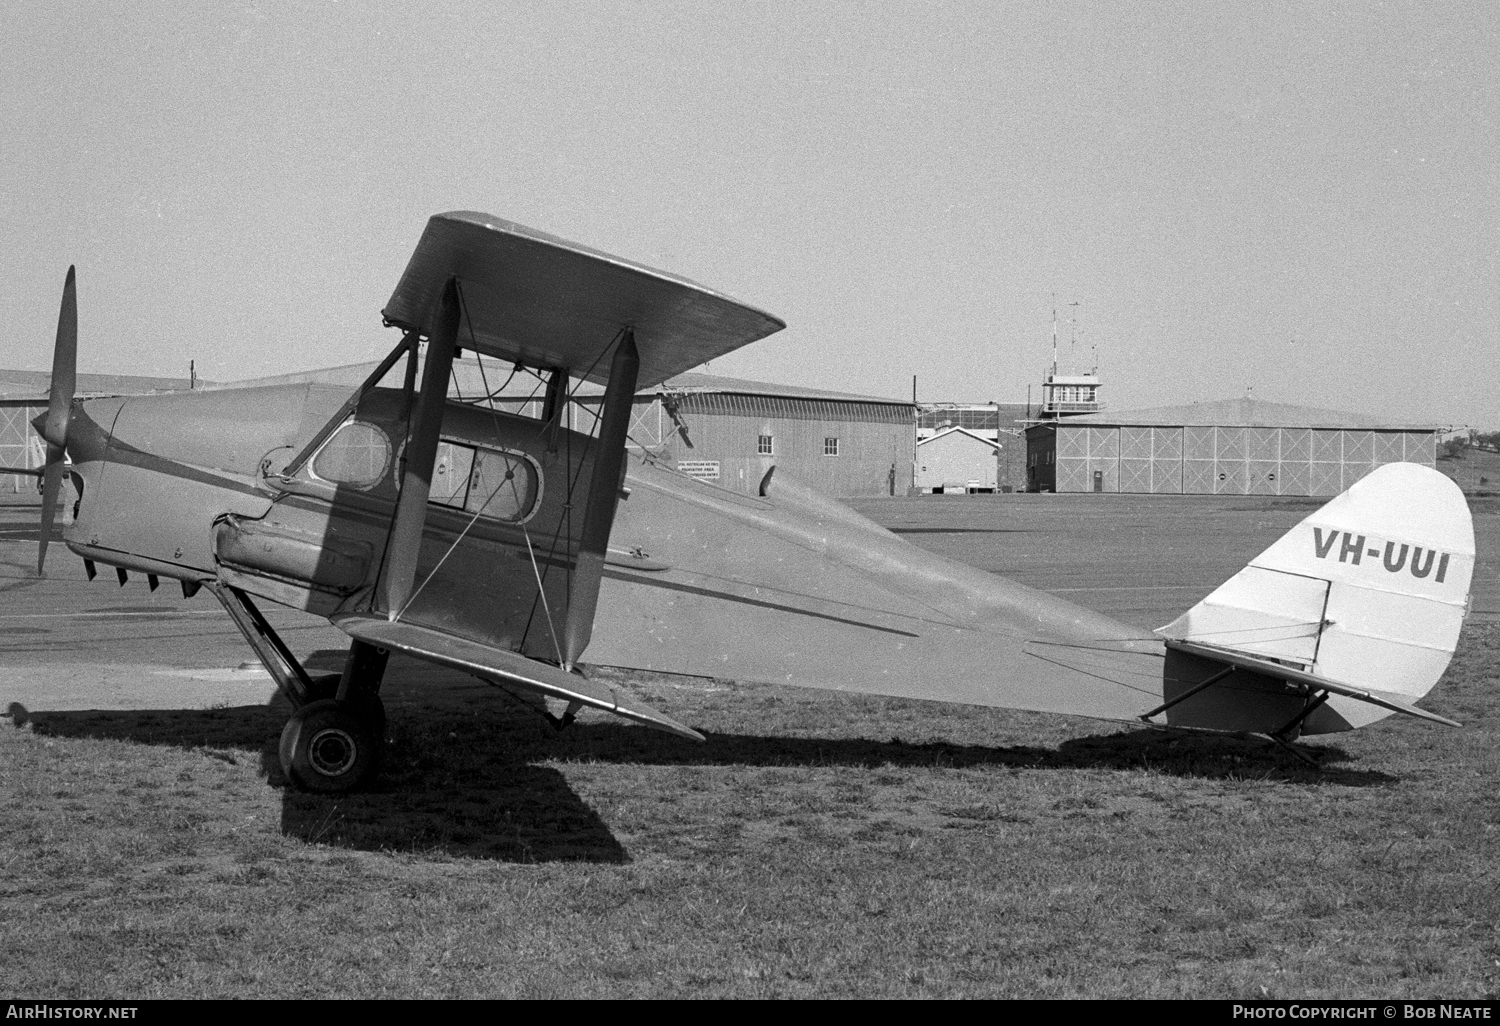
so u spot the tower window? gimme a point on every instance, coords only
(764, 446)
(830, 447)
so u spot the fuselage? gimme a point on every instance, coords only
(786, 587)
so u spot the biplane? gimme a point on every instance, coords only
(509, 545)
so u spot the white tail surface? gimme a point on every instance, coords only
(1369, 591)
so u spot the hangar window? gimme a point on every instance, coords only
(492, 482)
(830, 447)
(764, 446)
(357, 455)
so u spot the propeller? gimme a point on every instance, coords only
(59, 412)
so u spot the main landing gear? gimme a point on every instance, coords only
(330, 747)
(335, 737)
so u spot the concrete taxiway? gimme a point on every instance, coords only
(70, 643)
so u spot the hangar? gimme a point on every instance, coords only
(23, 397)
(1236, 446)
(731, 432)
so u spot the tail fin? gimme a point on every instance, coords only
(1366, 596)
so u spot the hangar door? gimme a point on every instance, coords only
(1088, 459)
(1228, 459)
(20, 446)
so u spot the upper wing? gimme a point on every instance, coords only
(533, 298)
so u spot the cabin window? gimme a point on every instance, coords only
(491, 482)
(830, 447)
(357, 455)
(763, 447)
(450, 474)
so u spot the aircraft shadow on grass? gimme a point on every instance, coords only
(478, 798)
(468, 782)
(1176, 754)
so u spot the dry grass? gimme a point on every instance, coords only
(803, 851)
(818, 844)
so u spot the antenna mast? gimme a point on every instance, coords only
(1054, 334)
(1073, 338)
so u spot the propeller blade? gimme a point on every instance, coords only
(51, 487)
(64, 367)
(59, 412)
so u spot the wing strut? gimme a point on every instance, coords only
(604, 494)
(400, 570)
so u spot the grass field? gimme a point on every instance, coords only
(1476, 471)
(817, 845)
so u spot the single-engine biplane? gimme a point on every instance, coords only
(513, 547)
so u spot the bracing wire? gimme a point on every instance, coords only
(542, 593)
(509, 477)
(564, 522)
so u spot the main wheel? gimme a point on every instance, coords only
(331, 747)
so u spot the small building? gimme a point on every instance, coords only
(1003, 465)
(956, 460)
(1236, 446)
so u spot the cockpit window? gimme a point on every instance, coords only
(491, 482)
(357, 454)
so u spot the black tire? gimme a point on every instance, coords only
(329, 747)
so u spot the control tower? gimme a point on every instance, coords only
(1065, 395)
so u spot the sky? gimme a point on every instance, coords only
(1300, 199)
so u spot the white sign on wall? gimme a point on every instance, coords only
(703, 470)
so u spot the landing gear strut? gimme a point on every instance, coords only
(334, 744)
(334, 740)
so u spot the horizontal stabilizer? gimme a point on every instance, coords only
(493, 663)
(1385, 700)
